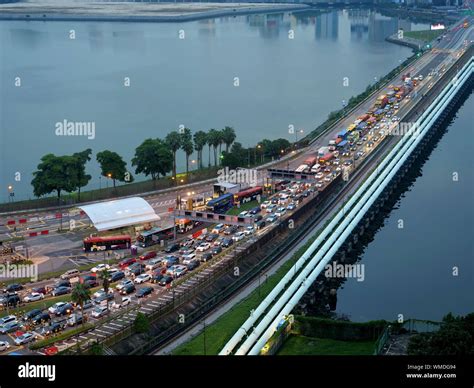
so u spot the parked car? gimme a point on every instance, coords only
(4, 345)
(25, 338)
(142, 278)
(156, 277)
(168, 261)
(291, 206)
(64, 310)
(125, 301)
(165, 280)
(257, 218)
(205, 257)
(9, 327)
(142, 292)
(154, 263)
(188, 258)
(255, 210)
(7, 319)
(100, 311)
(218, 228)
(33, 297)
(40, 290)
(54, 308)
(249, 230)
(238, 236)
(211, 237)
(125, 263)
(216, 250)
(9, 300)
(51, 329)
(61, 291)
(148, 255)
(41, 318)
(227, 242)
(180, 270)
(31, 314)
(124, 283)
(280, 211)
(14, 287)
(100, 267)
(128, 289)
(231, 229)
(87, 305)
(193, 265)
(75, 319)
(89, 281)
(119, 275)
(203, 247)
(72, 273)
(172, 247)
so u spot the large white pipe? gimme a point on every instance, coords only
(243, 330)
(314, 274)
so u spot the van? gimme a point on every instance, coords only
(72, 273)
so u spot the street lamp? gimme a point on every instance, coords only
(11, 193)
(109, 175)
(296, 134)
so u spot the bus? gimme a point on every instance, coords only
(184, 225)
(248, 195)
(96, 244)
(220, 204)
(192, 203)
(155, 236)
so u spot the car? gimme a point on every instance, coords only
(7, 319)
(4, 345)
(14, 287)
(274, 201)
(370, 144)
(100, 293)
(9, 327)
(172, 247)
(255, 210)
(203, 247)
(41, 318)
(55, 307)
(125, 263)
(257, 218)
(74, 319)
(187, 243)
(216, 250)
(25, 338)
(111, 271)
(142, 292)
(89, 281)
(264, 204)
(238, 236)
(272, 218)
(125, 301)
(116, 276)
(243, 213)
(180, 270)
(271, 208)
(249, 230)
(156, 277)
(148, 256)
(231, 229)
(86, 305)
(52, 328)
(60, 291)
(327, 169)
(328, 178)
(280, 211)
(168, 261)
(193, 265)
(128, 289)
(291, 206)
(142, 278)
(359, 143)
(103, 299)
(31, 314)
(100, 311)
(227, 242)
(395, 118)
(135, 270)
(72, 273)
(64, 310)
(100, 267)
(188, 258)
(218, 228)
(124, 283)
(154, 263)
(165, 280)
(33, 297)
(40, 290)
(205, 257)
(348, 163)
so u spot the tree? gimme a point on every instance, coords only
(233, 159)
(173, 140)
(105, 278)
(200, 140)
(187, 146)
(153, 157)
(228, 136)
(209, 143)
(55, 173)
(214, 139)
(113, 166)
(80, 294)
(141, 323)
(82, 178)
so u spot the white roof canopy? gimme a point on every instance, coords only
(120, 213)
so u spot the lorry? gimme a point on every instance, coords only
(326, 158)
(381, 101)
(310, 161)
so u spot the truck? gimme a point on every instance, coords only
(381, 101)
(363, 117)
(310, 161)
(326, 158)
(301, 168)
(316, 167)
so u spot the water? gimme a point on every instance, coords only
(409, 271)
(176, 81)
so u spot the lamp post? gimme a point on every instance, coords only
(11, 193)
(109, 175)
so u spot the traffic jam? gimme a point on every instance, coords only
(159, 262)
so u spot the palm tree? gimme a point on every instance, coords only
(173, 140)
(105, 277)
(228, 136)
(80, 294)
(214, 139)
(200, 140)
(210, 142)
(187, 146)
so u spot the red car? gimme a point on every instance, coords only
(125, 263)
(148, 255)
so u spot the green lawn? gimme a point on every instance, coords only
(426, 36)
(298, 345)
(246, 206)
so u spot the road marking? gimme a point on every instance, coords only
(146, 309)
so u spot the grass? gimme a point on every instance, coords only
(426, 36)
(60, 337)
(225, 326)
(298, 345)
(246, 206)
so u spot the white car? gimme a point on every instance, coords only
(25, 338)
(101, 293)
(126, 300)
(153, 264)
(7, 319)
(203, 247)
(291, 206)
(319, 175)
(33, 297)
(179, 270)
(188, 258)
(123, 283)
(328, 178)
(244, 213)
(4, 345)
(249, 230)
(55, 307)
(271, 207)
(218, 229)
(100, 267)
(280, 211)
(238, 236)
(99, 311)
(265, 204)
(144, 277)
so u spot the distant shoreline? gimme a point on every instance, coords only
(38, 15)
